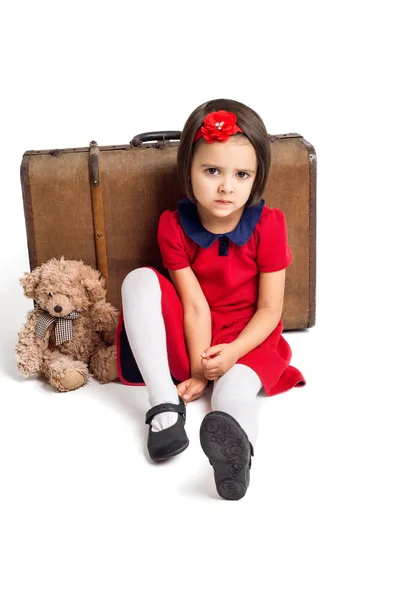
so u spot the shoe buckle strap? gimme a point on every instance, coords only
(251, 453)
(166, 407)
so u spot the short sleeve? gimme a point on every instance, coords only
(171, 241)
(273, 253)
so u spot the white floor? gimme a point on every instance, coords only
(86, 514)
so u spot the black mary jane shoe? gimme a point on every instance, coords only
(229, 451)
(172, 440)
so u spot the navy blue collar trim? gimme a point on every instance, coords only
(194, 228)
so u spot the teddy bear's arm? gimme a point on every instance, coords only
(29, 349)
(105, 320)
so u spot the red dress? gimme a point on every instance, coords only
(227, 267)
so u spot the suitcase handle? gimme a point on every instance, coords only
(155, 136)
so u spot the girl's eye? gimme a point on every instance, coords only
(214, 171)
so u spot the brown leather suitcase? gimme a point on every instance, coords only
(102, 205)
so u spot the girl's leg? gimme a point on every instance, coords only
(145, 330)
(236, 394)
(228, 432)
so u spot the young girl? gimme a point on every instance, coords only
(220, 319)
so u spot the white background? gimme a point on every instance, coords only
(84, 514)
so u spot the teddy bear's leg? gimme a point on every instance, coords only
(103, 364)
(64, 373)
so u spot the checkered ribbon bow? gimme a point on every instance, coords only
(63, 326)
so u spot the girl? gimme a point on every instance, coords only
(220, 319)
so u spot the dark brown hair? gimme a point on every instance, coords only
(253, 129)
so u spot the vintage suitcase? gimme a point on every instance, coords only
(102, 205)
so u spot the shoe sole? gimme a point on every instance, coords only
(227, 447)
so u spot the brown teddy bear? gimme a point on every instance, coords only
(71, 331)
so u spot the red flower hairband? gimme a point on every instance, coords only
(218, 125)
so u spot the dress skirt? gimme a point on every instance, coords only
(270, 360)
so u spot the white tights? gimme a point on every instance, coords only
(234, 393)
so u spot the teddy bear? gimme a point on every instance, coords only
(71, 331)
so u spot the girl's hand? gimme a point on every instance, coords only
(217, 360)
(192, 388)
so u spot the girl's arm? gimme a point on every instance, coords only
(196, 316)
(269, 311)
(197, 326)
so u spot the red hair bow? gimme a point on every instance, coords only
(218, 125)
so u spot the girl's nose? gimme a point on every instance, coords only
(226, 185)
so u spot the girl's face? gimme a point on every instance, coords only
(222, 175)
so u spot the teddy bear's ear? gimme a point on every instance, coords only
(30, 281)
(95, 288)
